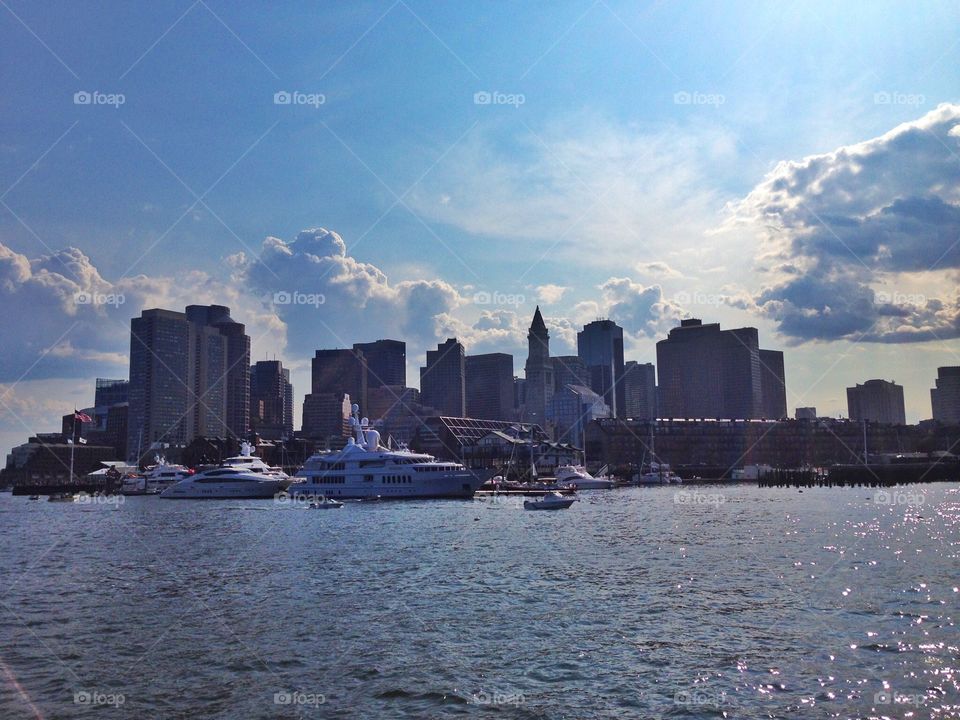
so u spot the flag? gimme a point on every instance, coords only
(82, 441)
(82, 417)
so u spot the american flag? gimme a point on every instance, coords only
(82, 417)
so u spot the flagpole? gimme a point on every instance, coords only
(73, 442)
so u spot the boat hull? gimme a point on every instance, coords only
(225, 491)
(461, 485)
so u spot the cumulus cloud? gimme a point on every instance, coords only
(641, 310)
(846, 237)
(549, 294)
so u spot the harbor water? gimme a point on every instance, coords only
(673, 602)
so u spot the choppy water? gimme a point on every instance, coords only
(719, 602)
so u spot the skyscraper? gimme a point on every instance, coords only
(706, 372)
(877, 401)
(443, 380)
(386, 362)
(773, 387)
(111, 392)
(185, 379)
(334, 373)
(271, 398)
(572, 407)
(539, 385)
(600, 346)
(237, 358)
(945, 397)
(489, 386)
(569, 370)
(640, 390)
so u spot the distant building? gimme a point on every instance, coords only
(877, 401)
(519, 394)
(271, 400)
(945, 397)
(640, 390)
(569, 370)
(443, 380)
(706, 372)
(539, 385)
(773, 386)
(189, 377)
(111, 392)
(805, 413)
(386, 362)
(334, 374)
(600, 346)
(571, 408)
(489, 386)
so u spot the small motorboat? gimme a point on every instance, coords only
(34, 497)
(61, 497)
(550, 501)
(325, 504)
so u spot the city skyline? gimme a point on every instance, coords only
(649, 198)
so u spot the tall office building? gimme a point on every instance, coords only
(877, 401)
(569, 370)
(572, 408)
(640, 390)
(184, 377)
(271, 400)
(600, 346)
(539, 385)
(706, 372)
(945, 397)
(326, 416)
(111, 392)
(386, 362)
(773, 386)
(489, 386)
(443, 380)
(334, 373)
(236, 347)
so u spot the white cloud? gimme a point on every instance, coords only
(549, 294)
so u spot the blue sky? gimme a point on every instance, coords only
(626, 166)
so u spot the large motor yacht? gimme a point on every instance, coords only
(246, 460)
(224, 482)
(365, 469)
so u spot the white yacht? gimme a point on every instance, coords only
(657, 474)
(161, 475)
(224, 482)
(578, 476)
(246, 460)
(365, 469)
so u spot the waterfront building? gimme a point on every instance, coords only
(333, 375)
(945, 397)
(706, 372)
(443, 379)
(571, 408)
(805, 413)
(189, 377)
(489, 386)
(539, 385)
(326, 418)
(110, 392)
(640, 390)
(600, 346)
(877, 401)
(773, 386)
(271, 400)
(386, 362)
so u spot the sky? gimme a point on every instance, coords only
(342, 172)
